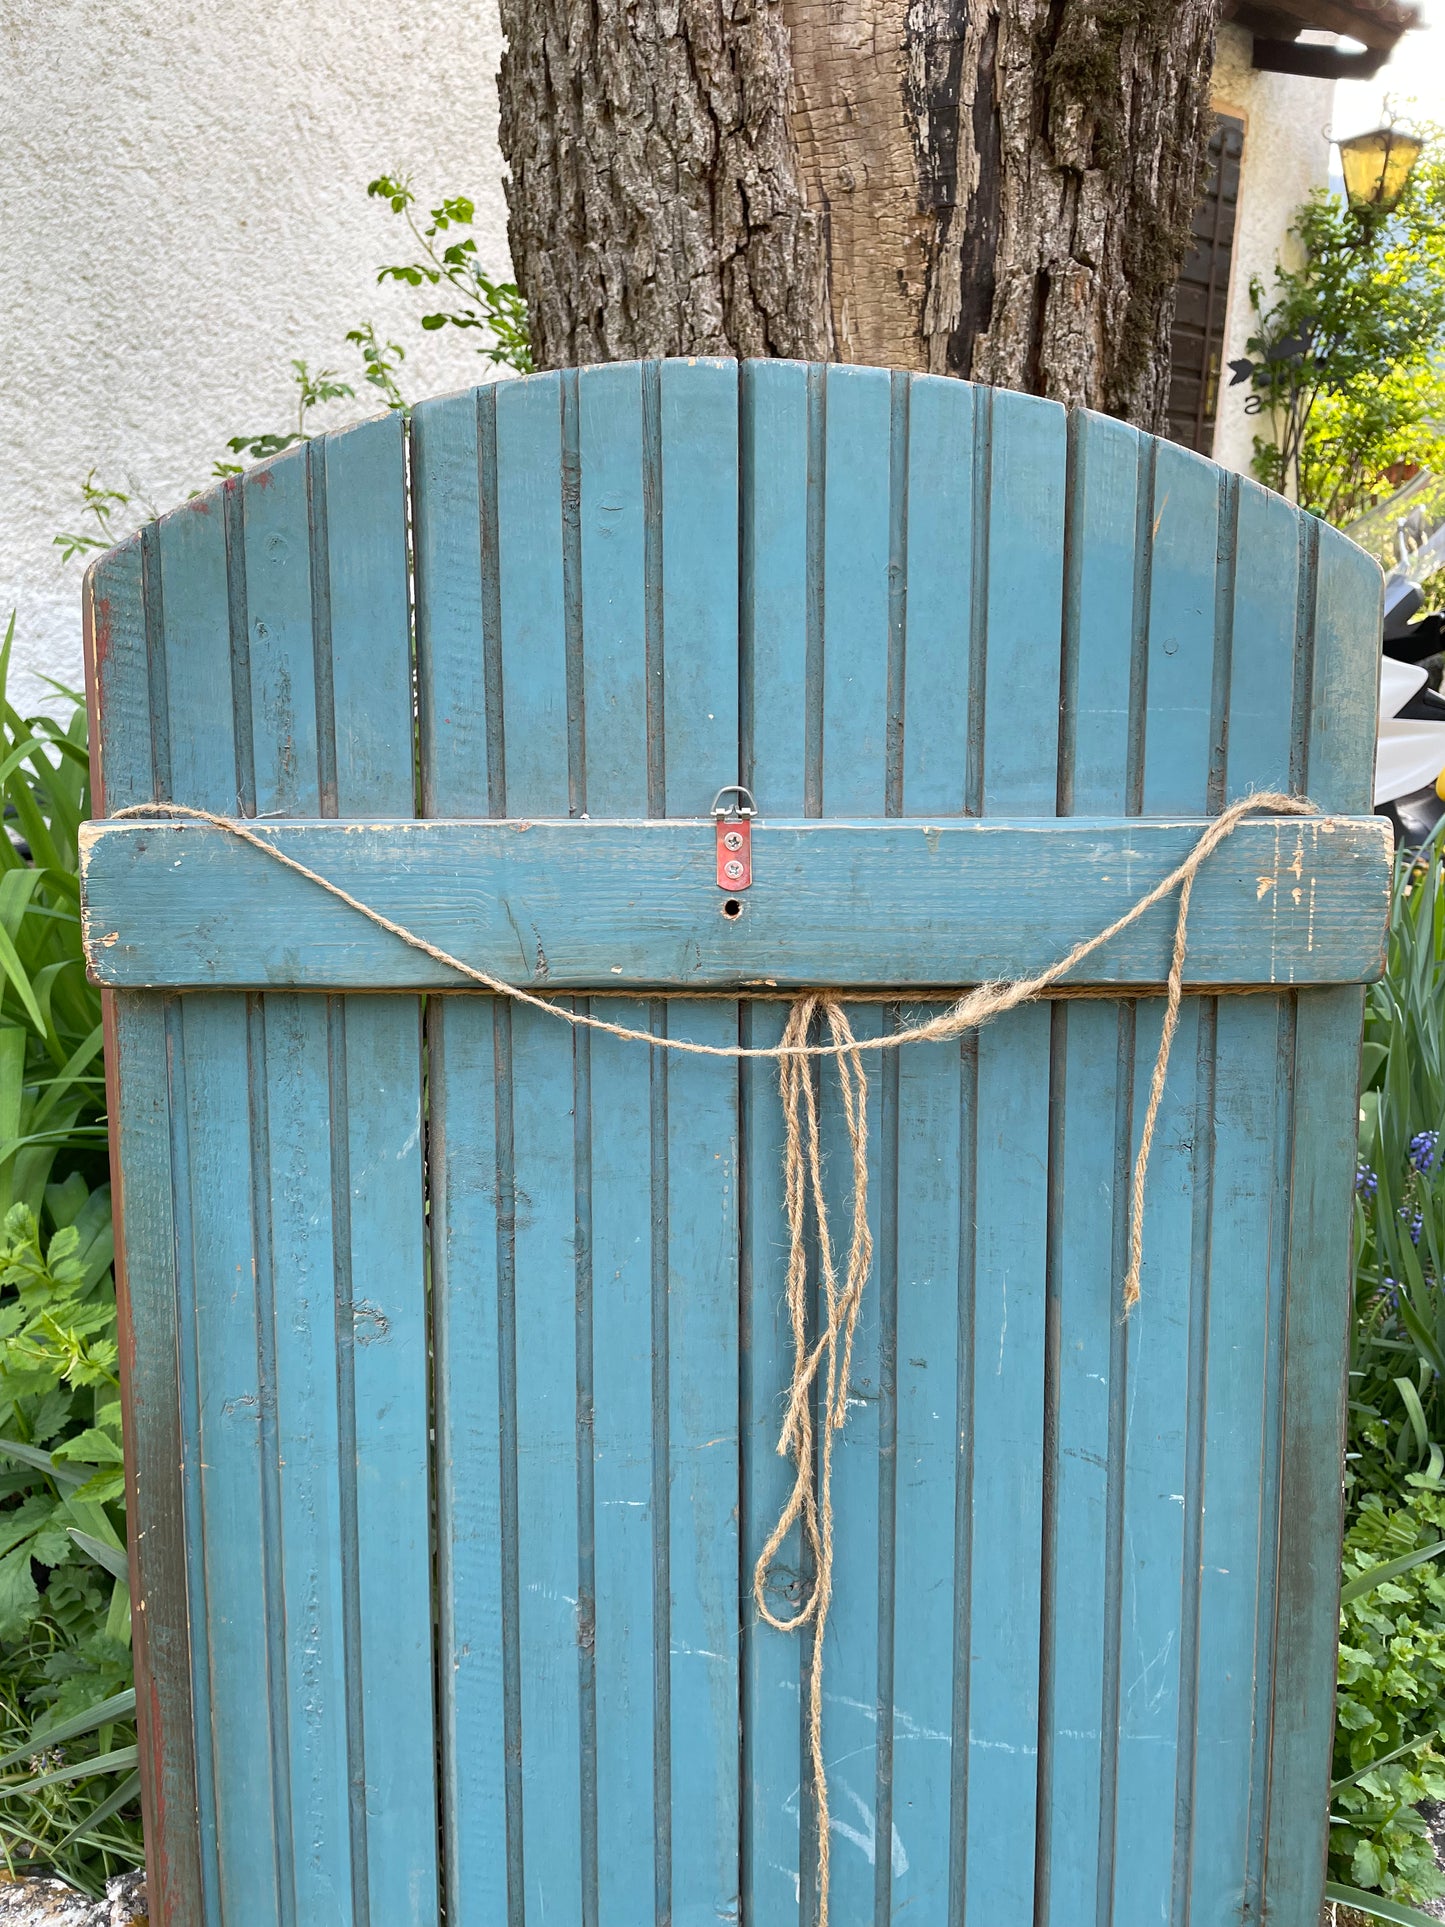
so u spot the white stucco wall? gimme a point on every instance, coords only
(1286, 154)
(182, 210)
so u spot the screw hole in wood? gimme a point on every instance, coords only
(732, 908)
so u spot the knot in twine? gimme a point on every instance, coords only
(810, 1500)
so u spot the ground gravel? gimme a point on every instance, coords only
(50, 1903)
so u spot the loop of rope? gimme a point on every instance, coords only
(810, 1501)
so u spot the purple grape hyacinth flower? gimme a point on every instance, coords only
(1422, 1150)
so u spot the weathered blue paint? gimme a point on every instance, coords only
(564, 905)
(455, 1377)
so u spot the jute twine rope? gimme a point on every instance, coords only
(810, 1500)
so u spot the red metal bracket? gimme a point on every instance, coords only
(734, 832)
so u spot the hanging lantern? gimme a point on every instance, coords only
(1378, 165)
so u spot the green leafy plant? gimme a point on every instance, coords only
(1390, 1707)
(67, 1760)
(445, 265)
(1346, 359)
(102, 505)
(1397, 1379)
(313, 391)
(446, 259)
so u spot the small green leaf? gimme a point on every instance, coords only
(1368, 1865)
(19, 1600)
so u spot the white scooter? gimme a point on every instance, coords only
(1410, 752)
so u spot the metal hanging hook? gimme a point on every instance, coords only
(745, 805)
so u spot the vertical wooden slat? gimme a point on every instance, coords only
(1336, 729)
(282, 657)
(547, 1465)
(220, 1277)
(620, 1124)
(1019, 776)
(533, 639)
(1023, 595)
(1239, 1493)
(702, 1386)
(853, 1716)
(699, 471)
(1266, 585)
(929, 1100)
(1237, 1519)
(771, 1757)
(228, 1274)
(855, 527)
(463, 1172)
(1008, 1419)
(773, 642)
(939, 563)
(365, 768)
(1086, 1200)
(540, 777)
(1181, 632)
(448, 538)
(177, 1797)
(298, 1176)
(1327, 1046)
(388, 1365)
(613, 582)
(369, 617)
(774, 589)
(201, 728)
(618, 1631)
(855, 591)
(178, 1803)
(698, 446)
(1165, 1362)
(471, 1185)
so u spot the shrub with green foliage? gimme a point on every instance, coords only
(68, 1786)
(1397, 1377)
(1391, 1700)
(1389, 1750)
(1345, 363)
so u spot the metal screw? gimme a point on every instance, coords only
(732, 840)
(733, 869)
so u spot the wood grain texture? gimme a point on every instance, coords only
(455, 1367)
(555, 906)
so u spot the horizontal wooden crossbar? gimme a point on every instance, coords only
(564, 905)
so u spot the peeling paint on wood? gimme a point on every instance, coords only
(1082, 1635)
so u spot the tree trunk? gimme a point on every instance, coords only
(1000, 189)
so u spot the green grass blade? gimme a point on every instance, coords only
(12, 968)
(63, 1475)
(122, 1760)
(120, 1706)
(1385, 1759)
(122, 1797)
(103, 1555)
(1378, 1908)
(1373, 1576)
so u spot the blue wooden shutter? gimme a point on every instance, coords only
(453, 1408)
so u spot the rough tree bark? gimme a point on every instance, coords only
(1000, 189)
